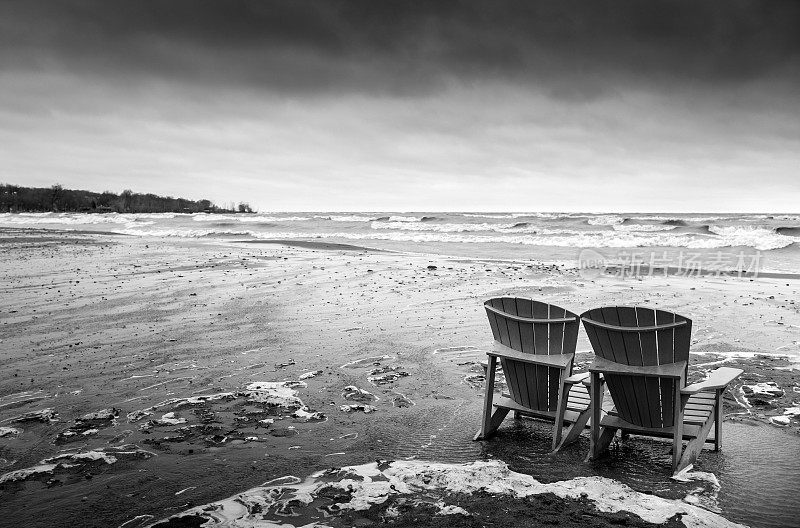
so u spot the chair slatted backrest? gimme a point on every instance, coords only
(640, 336)
(532, 327)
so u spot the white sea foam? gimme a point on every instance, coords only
(347, 218)
(72, 219)
(23, 474)
(9, 431)
(186, 233)
(495, 216)
(548, 216)
(642, 227)
(68, 460)
(276, 393)
(418, 482)
(246, 218)
(693, 219)
(447, 228)
(401, 218)
(757, 237)
(520, 227)
(606, 220)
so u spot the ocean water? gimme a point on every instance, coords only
(731, 242)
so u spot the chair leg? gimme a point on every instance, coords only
(718, 421)
(694, 446)
(677, 435)
(600, 436)
(496, 419)
(575, 430)
(491, 421)
(561, 409)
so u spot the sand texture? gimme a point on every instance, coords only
(144, 377)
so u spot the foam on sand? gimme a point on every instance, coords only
(73, 459)
(274, 393)
(24, 474)
(177, 403)
(43, 415)
(306, 416)
(9, 431)
(387, 484)
(353, 393)
(705, 497)
(355, 407)
(168, 419)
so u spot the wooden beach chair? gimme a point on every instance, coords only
(643, 356)
(535, 343)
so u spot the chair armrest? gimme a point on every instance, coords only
(670, 370)
(576, 378)
(717, 379)
(588, 381)
(555, 360)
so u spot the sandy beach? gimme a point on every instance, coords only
(132, 369)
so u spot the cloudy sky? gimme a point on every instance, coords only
(408, 105)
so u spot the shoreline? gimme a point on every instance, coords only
(130, 323)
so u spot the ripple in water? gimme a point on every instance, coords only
(759, 470)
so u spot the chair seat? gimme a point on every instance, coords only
(578, 401)
(699, 409)
(579, 398)
(511, 405)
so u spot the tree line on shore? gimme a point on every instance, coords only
(16, 199)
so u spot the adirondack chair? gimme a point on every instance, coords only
(535, 343)
(643, 354)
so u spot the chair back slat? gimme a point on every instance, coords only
(647, 340)
(665, 338)
(532, 327)
(557, 330)
(639, 336)
(509, 306)
(502, 326)
(541, 332)
(525, 309)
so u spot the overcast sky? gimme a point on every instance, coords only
(408, 105)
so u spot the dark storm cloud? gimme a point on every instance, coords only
(573, 49)
(411, 105)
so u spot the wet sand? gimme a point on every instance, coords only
(135, 326)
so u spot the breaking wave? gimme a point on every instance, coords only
(76, 219)
(642, 227)
(788, 231)
(247, 219)
(757, 237)
(606, 220)
(451, 228)
(347, 218)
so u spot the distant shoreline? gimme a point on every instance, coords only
(57, 199)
